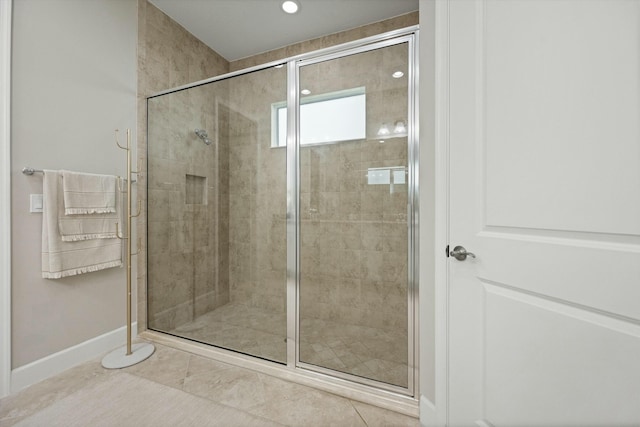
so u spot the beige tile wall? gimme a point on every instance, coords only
(379, 258)
(182, 237)
(353, 234)
(360, 229)
(245, 257)
(257, 193)
(183, 222)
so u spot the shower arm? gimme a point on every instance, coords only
(202, 134)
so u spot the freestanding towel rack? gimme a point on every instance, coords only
(129, 354)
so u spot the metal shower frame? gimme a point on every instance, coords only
(407, 35)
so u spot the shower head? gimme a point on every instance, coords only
(202, 134)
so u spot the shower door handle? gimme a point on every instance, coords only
(460, 253)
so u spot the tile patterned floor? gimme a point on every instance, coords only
(249, 393)
(238, 327)
(358, 350)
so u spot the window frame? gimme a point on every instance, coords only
(276, 107)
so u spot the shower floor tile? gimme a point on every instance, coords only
(238, 327)
(363, 351)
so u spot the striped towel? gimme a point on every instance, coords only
(60, 258)
(87, 193)
(93, 226)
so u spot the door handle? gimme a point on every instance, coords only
(460, 253)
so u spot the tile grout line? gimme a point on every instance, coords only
(186, 374)
(59, 394)
(216, 402)
(358, 412)
(197, 396)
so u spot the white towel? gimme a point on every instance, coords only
(62, 259)
(87, 193)
(93, 226)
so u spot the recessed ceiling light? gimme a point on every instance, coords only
(305, 92)
(290, 6)
(397, 74)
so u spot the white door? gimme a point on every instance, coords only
(544, 137)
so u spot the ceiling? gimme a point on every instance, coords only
(240, 28)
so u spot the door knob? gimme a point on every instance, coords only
(460, 253)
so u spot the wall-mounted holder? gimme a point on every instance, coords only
(130, 354)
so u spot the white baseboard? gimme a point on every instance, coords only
(51, 365)
(427, 413)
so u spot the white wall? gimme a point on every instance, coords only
(5, 197)
(74, 82)
(429, 254)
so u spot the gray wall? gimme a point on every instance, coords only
(74, 82)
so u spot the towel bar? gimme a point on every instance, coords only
(30, 171)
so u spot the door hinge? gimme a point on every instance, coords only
(447, 251)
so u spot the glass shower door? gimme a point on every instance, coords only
(354, 229)
(217, 215)
(280, 224)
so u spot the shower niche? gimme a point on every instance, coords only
(286, 232)
(195, 191)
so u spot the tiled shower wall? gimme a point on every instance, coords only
(183, 219)
(257, 193)
(233, 248)
(354, 235)
(353, 232)
(182, 236)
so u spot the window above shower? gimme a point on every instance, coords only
(324, 119)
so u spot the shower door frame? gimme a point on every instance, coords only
(409, 35)
(293, 207)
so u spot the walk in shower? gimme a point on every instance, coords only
(281, 212)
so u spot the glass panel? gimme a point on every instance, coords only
(216, 215)
(354, 230)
